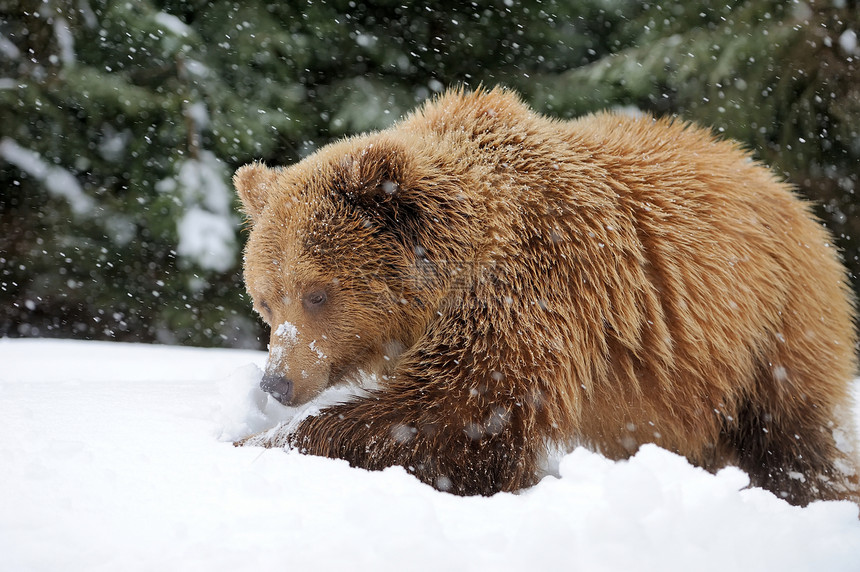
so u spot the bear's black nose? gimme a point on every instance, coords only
(278, 387)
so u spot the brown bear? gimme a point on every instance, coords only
(519, 282)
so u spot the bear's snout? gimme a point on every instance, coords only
(278, 387)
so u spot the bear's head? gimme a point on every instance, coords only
(339, 261)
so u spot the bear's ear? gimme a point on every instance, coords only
(382, 179)
(253, 183)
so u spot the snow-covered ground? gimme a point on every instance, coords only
(117, 457)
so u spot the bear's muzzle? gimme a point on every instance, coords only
(278, 387)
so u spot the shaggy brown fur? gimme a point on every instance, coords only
(519, 281)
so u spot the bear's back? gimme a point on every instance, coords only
(665, 259)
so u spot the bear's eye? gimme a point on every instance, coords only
(266, 309)
(315, 300)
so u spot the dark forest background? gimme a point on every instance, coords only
(121, 123)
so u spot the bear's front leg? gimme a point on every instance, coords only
(474, 446)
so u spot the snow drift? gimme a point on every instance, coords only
(118, 457)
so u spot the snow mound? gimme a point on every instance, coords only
(118, 457)
(244, 409)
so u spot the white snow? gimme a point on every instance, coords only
(289, 332)
(58, 181)
(62, 184)
(172, 24)
(244, 408)
(207, 238)
(113, 143)
(9, 49)
(199, 114)
(320, 354)
(65, 41)
(207, 228)
(118, 457)
(848, 42)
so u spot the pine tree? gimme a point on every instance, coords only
(122, 122)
